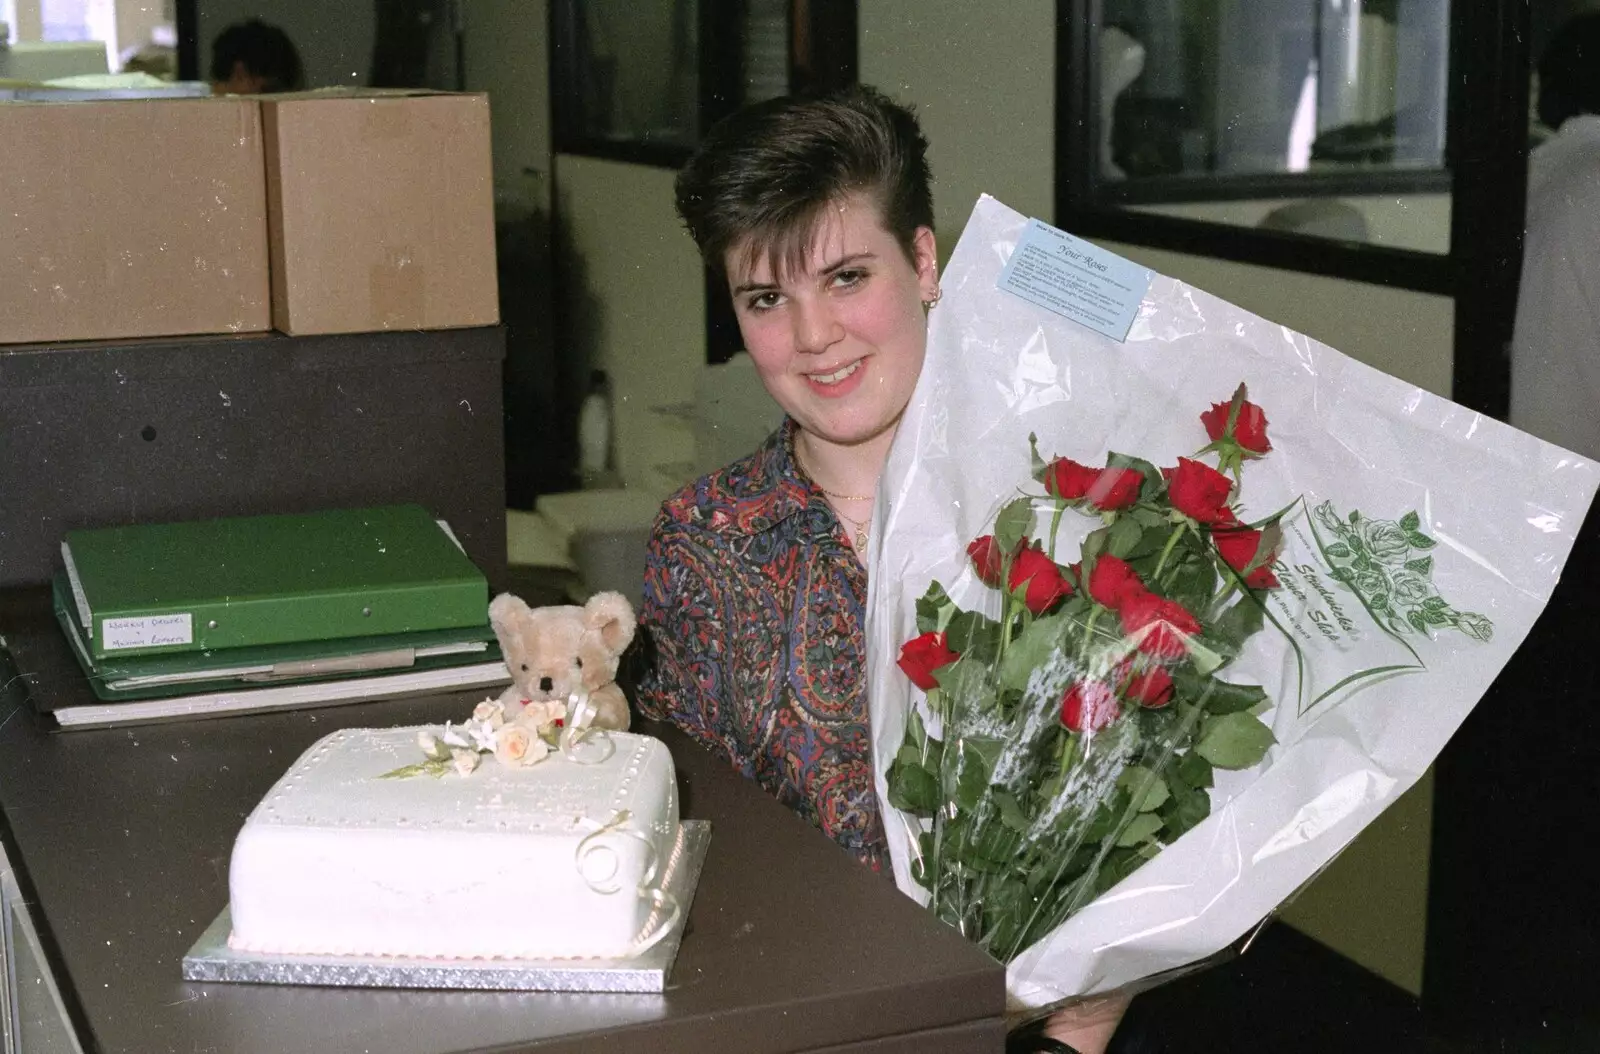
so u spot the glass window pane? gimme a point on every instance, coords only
(1323, 116)
(637, 71)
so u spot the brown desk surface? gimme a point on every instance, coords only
(122, 839)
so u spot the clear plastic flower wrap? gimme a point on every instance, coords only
(1156, 626)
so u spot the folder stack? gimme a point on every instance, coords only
(266, 612)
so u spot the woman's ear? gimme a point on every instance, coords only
(925, 255)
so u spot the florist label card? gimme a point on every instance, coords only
(1075, 279)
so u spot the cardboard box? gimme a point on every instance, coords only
(135, 218)
(380, 209)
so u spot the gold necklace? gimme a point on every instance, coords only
(859, 525)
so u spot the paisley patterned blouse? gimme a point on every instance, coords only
(756, 607)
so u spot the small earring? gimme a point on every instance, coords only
(927, 305)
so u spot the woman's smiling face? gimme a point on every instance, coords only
(838, 340)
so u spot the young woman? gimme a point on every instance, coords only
(819, 213)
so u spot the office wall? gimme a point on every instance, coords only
(632, 281)
(982, 77)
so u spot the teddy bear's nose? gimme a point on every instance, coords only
(545, 684)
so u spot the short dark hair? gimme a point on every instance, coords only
(1569, 71)
(765, 175)
(265, 50)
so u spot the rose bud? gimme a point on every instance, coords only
(920, 656)
(1089, 706)
(1150, 688)
(1157, 625)
(987, 560)
(1065, 478)
(1249, 427)
(1040, 578)
(1199, 491)
(1111, 580)
(1239, 548)
(1115, 488)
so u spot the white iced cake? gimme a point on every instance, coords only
(337, 859)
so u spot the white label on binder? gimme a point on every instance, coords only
(147, 631)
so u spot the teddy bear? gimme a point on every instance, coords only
(559, 651)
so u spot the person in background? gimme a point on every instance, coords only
(252, 57)
(1555, 350)
(819, 214)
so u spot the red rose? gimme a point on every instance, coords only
(1089, 705)
(1157, 625)
(1111, 580)
(920, 656)
(1151, 688)
(1249, 428)
(1065, 478)
(1043, 578)
(1106, 488)
(1239, 547)
(1199, 491)
(987, 559)
(1115, 488)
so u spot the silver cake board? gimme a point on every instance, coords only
(212, 960)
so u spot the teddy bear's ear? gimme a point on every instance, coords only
(505, 612)
(611, 616)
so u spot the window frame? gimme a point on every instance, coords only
(1486, 159)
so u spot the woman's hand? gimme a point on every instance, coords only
(1087, 1026)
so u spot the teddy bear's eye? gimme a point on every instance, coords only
(524, 667)
(580, 664)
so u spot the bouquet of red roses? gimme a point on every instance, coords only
(1075, 733)
(1159, 693)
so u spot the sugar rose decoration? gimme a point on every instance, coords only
(1071, 738)
(526, 739)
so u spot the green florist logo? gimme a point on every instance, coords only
(1386, 563)
(1373, 583)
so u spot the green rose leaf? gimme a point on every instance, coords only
(1037, 645)
(1010, 812)
(1420, 541)
(1410, 522)
(1236, 625)
(965, 682)
(1142, 826)
(1339, 551)
(1418, 621)
(1422, 566)
(913, 789)
(1220, 697)
(1037, 463)
(1193, 584)
(1147, 517)
(1013, 523)
(1143, 786)
(1234, 741)
(1193, 770)
(1184, 812)
(1123, 537)
(1094, 543)
(932, 608)
(973, 635)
